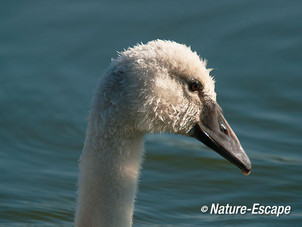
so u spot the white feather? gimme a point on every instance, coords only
(144, 90)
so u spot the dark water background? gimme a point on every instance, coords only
(51, 55)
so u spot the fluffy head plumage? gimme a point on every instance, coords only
(147, 86)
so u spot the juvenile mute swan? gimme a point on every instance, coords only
(161, 86)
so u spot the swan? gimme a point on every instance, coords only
(161, 86)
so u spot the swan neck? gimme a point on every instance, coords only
(109, 169)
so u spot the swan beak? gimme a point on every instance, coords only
(214, 131)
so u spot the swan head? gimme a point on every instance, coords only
(163, 86)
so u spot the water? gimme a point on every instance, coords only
(51, 55)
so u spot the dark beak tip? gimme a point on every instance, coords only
(244, 164)
(246, 172)
(247, 168)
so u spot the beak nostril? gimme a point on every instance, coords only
(223, 128)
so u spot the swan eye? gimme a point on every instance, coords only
(195, 86)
